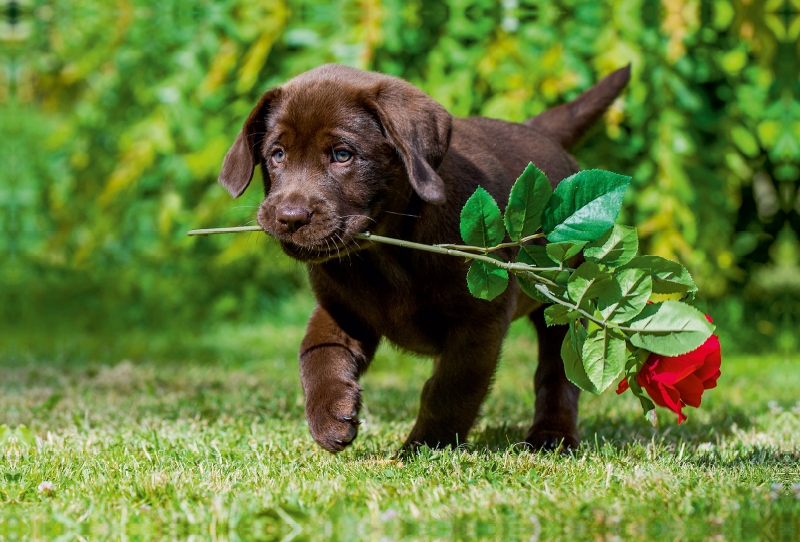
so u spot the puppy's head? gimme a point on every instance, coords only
(338, 149)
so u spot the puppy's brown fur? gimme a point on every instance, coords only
(344, 151)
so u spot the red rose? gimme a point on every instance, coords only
(674, 382)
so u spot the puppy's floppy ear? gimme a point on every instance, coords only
(244, 154)
(419, 128)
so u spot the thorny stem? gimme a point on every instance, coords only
(486, 250)
(545, 292)
(601, 323)
(536, 278)
(439, 249)
(436, 249)
(525, 270)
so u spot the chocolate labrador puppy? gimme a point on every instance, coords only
(343, 151)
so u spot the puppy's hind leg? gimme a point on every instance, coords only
(462, 375)
(556, 417)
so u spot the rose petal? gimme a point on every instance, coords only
(671, 370)
(711, 382)
(672, 399)
(654, 392)
(690, 389)
(712, 361)
(623, 386)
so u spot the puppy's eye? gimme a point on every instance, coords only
(278, 156)
(342, 156)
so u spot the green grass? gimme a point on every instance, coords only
(166, 446)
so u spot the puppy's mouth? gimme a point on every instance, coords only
(327, 236)
(333, 247)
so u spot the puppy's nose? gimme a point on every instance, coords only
(293, 217)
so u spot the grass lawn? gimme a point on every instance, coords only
(204, 435)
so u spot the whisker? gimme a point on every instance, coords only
(338, 251)
(345, 247)
(362, 216)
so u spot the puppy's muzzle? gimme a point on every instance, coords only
(292, 217)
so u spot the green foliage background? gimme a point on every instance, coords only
(116, 115)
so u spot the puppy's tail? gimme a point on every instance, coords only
(566, 123)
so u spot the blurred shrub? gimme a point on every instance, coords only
(115, 119)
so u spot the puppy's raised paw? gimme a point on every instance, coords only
(332, 415)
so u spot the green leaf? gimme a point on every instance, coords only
(588, 282)
(535, 255)
(644, 400)
(528, 288)
(564, 250)
(559, 277)
(486, 281)
(604, 354)
(617, 247)
(555, 315)
(584, 206)
(527, 201)
(632, 368)
(481, 223)
(573, 365)
(670, 328)
(623, 303)
(668, 277)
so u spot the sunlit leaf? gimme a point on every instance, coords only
(617, 247)
(588, 282)
(669, 277)
(529, 195)
(564, 250)
(670, 328)
(604, 354)
(481, 222)
(624, 302)
(573, 364)
(584, 206)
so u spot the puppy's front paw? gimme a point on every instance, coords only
(332, 413)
